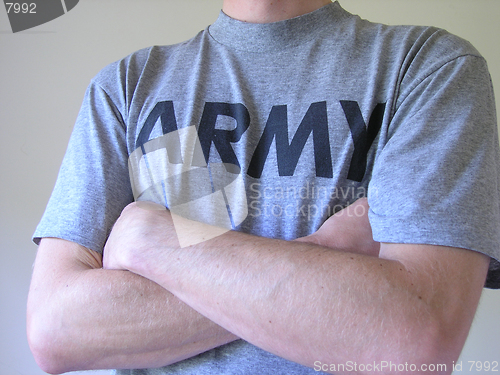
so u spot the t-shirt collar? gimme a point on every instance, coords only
(264, 37)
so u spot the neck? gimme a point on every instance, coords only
(266, 11)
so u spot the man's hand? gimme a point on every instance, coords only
(142, 229)
(347, 230)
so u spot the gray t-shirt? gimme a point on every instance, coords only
(313, 113)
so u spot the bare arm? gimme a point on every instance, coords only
(413, 304)
(82, 317)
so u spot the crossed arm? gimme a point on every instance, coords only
(332, 297)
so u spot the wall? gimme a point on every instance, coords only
(43, 75)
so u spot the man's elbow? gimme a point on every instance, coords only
(440, 349)
(434, 347)
(46, 347)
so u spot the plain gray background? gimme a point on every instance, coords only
(44, 73)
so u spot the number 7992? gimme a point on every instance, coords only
(21, 7)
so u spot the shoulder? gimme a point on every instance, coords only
(410, 52)
(408, 37)
(417, 54)
(434, 48)
(428, 49)
(127, 71)
(138, 73)
(428, 45)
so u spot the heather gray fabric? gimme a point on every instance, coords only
(315, 112)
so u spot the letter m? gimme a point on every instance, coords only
(287, 154)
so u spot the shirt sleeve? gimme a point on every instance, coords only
(436, 179)
(93, 184)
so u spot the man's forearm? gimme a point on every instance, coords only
(95, 318)
(310, 303)
(296, 300)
